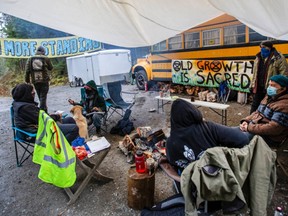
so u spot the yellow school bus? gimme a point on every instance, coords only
(223, 38)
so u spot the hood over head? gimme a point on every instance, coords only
(184, 114)
(23, 93)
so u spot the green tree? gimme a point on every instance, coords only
(13, 27)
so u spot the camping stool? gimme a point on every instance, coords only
(141, 188)
(90, 166)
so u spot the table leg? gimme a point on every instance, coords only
(90, 167)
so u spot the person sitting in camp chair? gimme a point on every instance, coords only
(191, 135)
(26, 113)
(93, 104)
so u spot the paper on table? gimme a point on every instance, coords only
(59, 112)
(98, 145)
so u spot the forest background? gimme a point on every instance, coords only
(12, 70)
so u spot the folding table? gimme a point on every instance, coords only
(89, 165)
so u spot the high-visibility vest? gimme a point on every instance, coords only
(53, 152)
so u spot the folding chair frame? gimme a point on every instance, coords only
(90, 167)
(26, 145)
(113, 106)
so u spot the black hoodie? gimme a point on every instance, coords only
(190, 136)
(25, 109)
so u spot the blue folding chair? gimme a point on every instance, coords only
(22, 139)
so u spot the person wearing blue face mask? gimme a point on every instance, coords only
(270, 120)
(268, 62)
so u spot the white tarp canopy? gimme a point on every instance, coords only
(135, 23)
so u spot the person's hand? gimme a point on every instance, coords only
(95, 109)
(244, 126)
(71, 101)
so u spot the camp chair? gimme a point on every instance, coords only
(282, 156)
(88, 115)
(114, 101)
(223, 92)
(171, 172)
(22, 139)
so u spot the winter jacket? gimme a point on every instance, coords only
(248, 174)
(91, 98)
(274, 64)
(270, 119)
(32, 72)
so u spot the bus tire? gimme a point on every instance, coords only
(141, 78)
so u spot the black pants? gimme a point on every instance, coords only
(69, 128)
(42, 91)
(257, 98)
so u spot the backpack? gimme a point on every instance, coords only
(172, 206)
(123, 126)
(38, 69)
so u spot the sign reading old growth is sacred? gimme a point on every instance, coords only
(210, 73)
(54, 47)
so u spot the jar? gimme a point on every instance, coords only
(140, 162)
(150, 165)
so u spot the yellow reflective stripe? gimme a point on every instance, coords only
(67, 161)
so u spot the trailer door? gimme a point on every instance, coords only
(89, 69)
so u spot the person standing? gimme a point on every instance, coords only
(37, 73)
(268, 62)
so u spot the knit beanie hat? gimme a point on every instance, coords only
(280, 79)
(92, 85)
(267, 44)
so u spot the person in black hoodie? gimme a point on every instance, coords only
(26, 113)
(190, 135)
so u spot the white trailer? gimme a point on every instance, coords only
(102, 66)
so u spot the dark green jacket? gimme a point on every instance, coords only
(253, 164)
(32, 74)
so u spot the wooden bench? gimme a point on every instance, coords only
(161, 101)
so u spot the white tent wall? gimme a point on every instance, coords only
(135, 23)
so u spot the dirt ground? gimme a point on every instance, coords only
(22, 193)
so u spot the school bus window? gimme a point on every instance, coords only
(234, 34)
(175, 42)
(211, 37)
(255, 37)
(192, 39)
(159, 46)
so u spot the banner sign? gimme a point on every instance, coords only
(210, 73)
(54, 47)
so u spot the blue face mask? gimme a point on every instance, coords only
(271, 91)
(265, 52)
